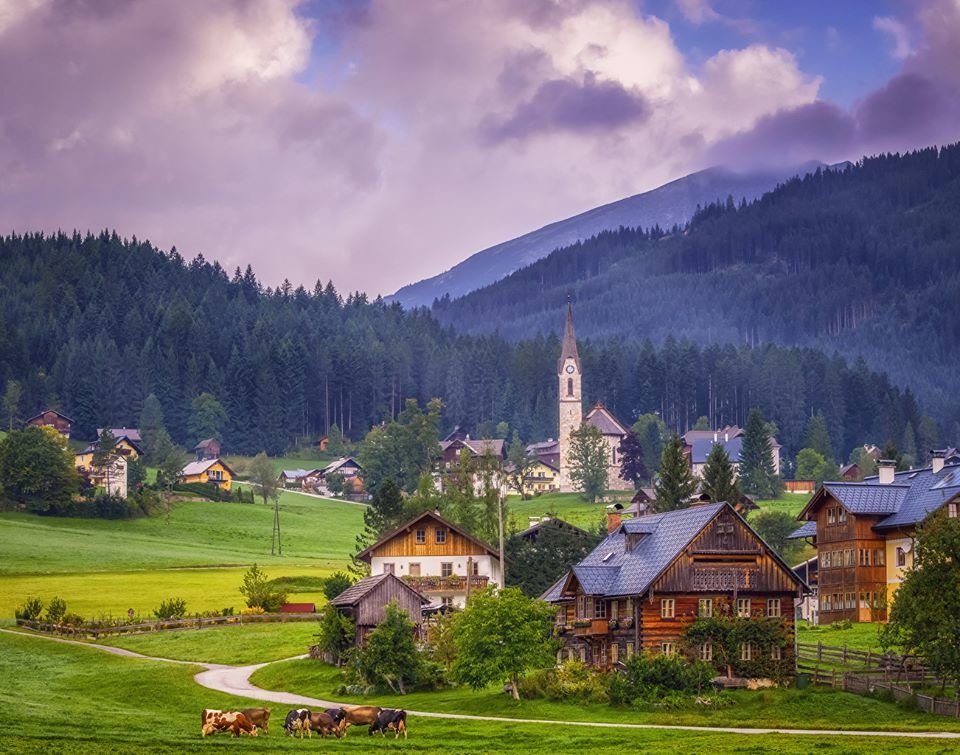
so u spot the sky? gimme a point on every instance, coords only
(378, 142)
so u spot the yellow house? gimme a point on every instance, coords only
(541, 478)
(210, 470)
(127, 447)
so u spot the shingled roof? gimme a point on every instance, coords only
(358, 591)
(602, 419)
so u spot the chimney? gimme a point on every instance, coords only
(613, 520)
(726, 437)
(715, 436)
(936, 462)
(885, 470)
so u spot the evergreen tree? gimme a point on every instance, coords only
(757, 474)
(11, 402)
(818, 437)
(152, 428)
(675, 483)
(651, 432)
(719, 477)
(909, 446)
(207, 418)
(519, 463)
(588, 461)
(390, 656)
(812, 466)
(537, 562)
(36, 469)
(632, 465)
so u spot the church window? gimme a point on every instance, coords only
(569, 386)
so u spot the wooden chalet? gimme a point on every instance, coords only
(437, 558)
(654, 575)
(209, 448)
(451, 450)
(52, 418)
(851, 472)
(365, 602)
(864, 534)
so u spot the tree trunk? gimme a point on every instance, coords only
(515, 687)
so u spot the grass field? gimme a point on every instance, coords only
(199, 553)
(856, 637)
(78, 700)
(812, 708)
(303, 460)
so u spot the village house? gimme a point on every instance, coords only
(864, 534)
(365, 602)
(210, 470)
(547, 451)
(437, 558)
(209, 448)
(541, 477)
(52, 418)
(697, 445)
(111, 475)
(654, 575)
(346, 467)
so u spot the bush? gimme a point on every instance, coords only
(650, 679)
(56, 610)
(173, 608)
(72, 620)
(336, 583)
(842, 624)
(574, 680)
(30, 610)
(252, 611)
(259, 593)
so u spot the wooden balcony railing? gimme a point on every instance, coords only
(455, 583)
(595, 626)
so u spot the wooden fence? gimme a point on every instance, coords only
(163, 625)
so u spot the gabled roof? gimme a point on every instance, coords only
(701, 448)
(535, 528)
(358, 591)
(206, 443)
(334, 466)
(130, 433)
(199, 467)
(367, 553)
(293, 474)
(48, 411)
(569, 349)
(611, 570)
(478, 447)
(809, 529)
(135, 444)
(602, 419)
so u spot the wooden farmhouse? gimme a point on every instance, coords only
(52, 418)
(365, 602)
(655, 575)
(209, 448)
(864, 533)
(437, 558)
(211, 470)
(451, 450)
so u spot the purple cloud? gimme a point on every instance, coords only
(569, 105)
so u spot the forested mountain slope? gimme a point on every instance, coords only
(93, 324)
(864, 260)
(669, 205)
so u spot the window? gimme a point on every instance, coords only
(879, 558)
(614, 653)
(724, 528)
(581, 606)
(841, 515)
(614, 605)
(413, 570)
(629, 612)
(599, 609)
(826, 560)
(569, 386)
(629, 650)
(666, 608)
(706, 651)
(952, 510)
(667, 648)
(826, 603)
(475, 569)
(421, 537)
(901, 556)
(441, 535)
(447, 602)
(850, 557)
(773, 607)
(743, 607)
(446, 569)
(388, 569)
(831, 515)
(705, 608)
(583, 654)
(851, 601)
(746, 651)
(865, 557)
(776, 652)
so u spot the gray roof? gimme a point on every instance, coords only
(602, 419)
(479, 447)
(612, 570)
(130, 433)
(866, 498)
(356, 592)
(703, 446)
(809, 529)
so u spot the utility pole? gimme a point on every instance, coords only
(275, 547)
(503, 563)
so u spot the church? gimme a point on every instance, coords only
(570, 398)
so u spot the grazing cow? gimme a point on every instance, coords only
(323, 724)
(359, 715)
(339, 719)
(259, 717)
(390, 719)
(298, 722)
(212, 721)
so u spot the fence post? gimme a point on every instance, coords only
(843, 656)
(819, 651)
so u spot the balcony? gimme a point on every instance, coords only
(454, 583)
(587, 627)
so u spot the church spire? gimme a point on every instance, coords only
(569, 350)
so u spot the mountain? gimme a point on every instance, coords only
(671, 204)
(864, 260)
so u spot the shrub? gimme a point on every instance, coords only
(252, 611)
(574, 680)
(336, 583)
(72, 620)
(259, 593)
(648, 679)
(56, 610)
(30, 610)
(173, 608)
(842, 624)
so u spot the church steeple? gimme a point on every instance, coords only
(569, 350)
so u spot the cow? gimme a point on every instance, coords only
(212, 721)
(359, 715)
(259, 717)
(298, 722)
(390, 719)
(339, 719)
(323, 724)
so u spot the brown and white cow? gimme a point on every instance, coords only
(323, 724)
(212, 721)
(359, 715)
(259, 717)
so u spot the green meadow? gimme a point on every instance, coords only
(199, 552)
(65, 699)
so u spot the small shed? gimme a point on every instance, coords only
(365, 602)
(208, 448)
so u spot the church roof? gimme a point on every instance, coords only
(569, 350)
(602, 419)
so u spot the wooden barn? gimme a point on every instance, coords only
(365, 602)
(655, 575)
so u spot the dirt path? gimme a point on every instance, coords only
(235, 680)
